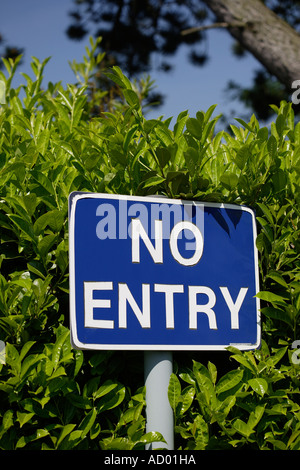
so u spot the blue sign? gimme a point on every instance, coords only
(152, 273)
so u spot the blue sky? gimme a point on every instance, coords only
(39, 27)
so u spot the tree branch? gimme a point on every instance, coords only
(271, 40)
(234, 24)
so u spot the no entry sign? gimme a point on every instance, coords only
(153, 273)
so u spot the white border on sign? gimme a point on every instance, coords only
(73, 199)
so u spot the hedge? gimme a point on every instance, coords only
(55, 140)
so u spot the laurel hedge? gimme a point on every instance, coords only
(57, 139)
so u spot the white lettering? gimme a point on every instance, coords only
(194, 308)
(143, 315)
(90, 303)
(138, 232)
(234, 307)
(116, 460)
(186, 225)
(169, 290)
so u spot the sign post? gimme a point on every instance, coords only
(158, 367)
(157, 274)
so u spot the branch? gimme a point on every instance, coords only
(234, 24)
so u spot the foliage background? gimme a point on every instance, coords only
(142, 36)
(53, 141)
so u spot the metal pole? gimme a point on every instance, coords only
(158, 366)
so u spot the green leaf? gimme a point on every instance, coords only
(279, 179)
(118, 77)
(187, 399)
(294, 440)
(212, 371)
(7, 420)
(30, 202)
(255, 416)
(267, 212)
(209, 112)
(242, 156)
(150, 124)
(23, 418)
(111, 401)
(129, 137)
(13, 358)
(45, 244)
(263, 243)
(263, 133)
(194, 127)
(245, 362)
(129, 415)
(191, 157)
(229, 180)
(244, 124)
(24, 226)
(272, 145)
(242, 428)
(67, 429)
(174, 391)
(42, 180)
(152, 436)
(118, 157)
(224, 408)
(37, 268)
(2, 92)
(200, 429)
(54, 219)
(58, 372)
(28, 364)
(180, 124)
(271, 297)
(280, 124)
(276, 276)
(24, 440)
(87, 423)
(163, 155)
(278, 445)
(164, 135)
(259, 385)
(118, 443)
(267, 229)
(154, 181)
(277, 314)
(105, 388)
(206, 388)
(58, 347)
(27, 346)
(78, 356)
(229, 380)
(132, 99)
(277, 356)
(179, 181)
